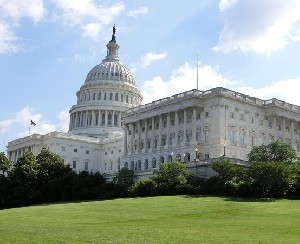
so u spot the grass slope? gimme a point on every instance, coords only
(175, 219)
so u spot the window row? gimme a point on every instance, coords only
(92, 96)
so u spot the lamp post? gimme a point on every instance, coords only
(196, 150)
(224, 152)
(196, 159)
(171, 156)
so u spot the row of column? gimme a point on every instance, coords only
(158, 132)
(90, 118)
(16, 154)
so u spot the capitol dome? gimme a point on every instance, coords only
(108, 91)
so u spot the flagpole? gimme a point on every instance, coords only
(197, 71)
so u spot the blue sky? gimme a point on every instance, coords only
(47, 47)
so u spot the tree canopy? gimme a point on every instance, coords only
(277, 151)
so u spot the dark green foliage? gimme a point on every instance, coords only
(171, 174)
(122, 182)
(277, 151)
(24, 188)
(144, 187)
(269, 179)
(4, 163)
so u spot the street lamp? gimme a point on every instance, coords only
(171, 156)
(197, 156)
(224, 153)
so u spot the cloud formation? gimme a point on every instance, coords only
(90, 16)
(148, 58)
(138, 11)
(183, 79)
(10, 14)
(258, 26)
(21, 119)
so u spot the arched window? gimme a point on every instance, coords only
(122, 98)
(161, 159)
(99, 96)
(115, 120)
(146, 164)
(104, 95)
(139, 165)
(126, 165)
(131, 165)
(116, 97)
(126, 98)
(153, 163)
(111, 96)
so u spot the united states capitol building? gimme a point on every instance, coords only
(110, 129)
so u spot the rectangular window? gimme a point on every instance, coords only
(111, 165)
(206, 114)
(86, 166)
(87, 152)
(74, 164)
(75, 150)
(261, 121)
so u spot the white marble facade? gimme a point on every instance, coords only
(109, 129)
(205, 125)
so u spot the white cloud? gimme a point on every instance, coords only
(286, 90)
(21, 120)
(138, 11)
(258, 26)
(148, 58)
(10, 14)
(91, 30)
(182, 79)
(8, 40)
(16, 9)
(89, 15)
(78, 57)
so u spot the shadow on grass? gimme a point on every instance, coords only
(238, 199)
(234, 199)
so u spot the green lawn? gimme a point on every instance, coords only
(177, 219)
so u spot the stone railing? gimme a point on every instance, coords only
(218, 91)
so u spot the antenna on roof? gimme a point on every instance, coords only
(197, 71)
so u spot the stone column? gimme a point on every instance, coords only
(160, 131)
(138, 135)
(283, 129)
(176, 128)
(274, 128)
(86, 118)
(292, 134)
(146, 134)
(184, 126)
(125, 139)
(113, 118)
(93, 118)
(153, 133)
(168, 130)
(194, 141)
(75, 120)
(106, 118)
(131, 137)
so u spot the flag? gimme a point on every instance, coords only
(32, 123)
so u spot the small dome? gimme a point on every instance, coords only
(111, 71)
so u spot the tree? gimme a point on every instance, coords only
(122, 182)
(5, 163)
(277, 151)
(23, 176)
(50, 169)
(171, 174)
(270, 179)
